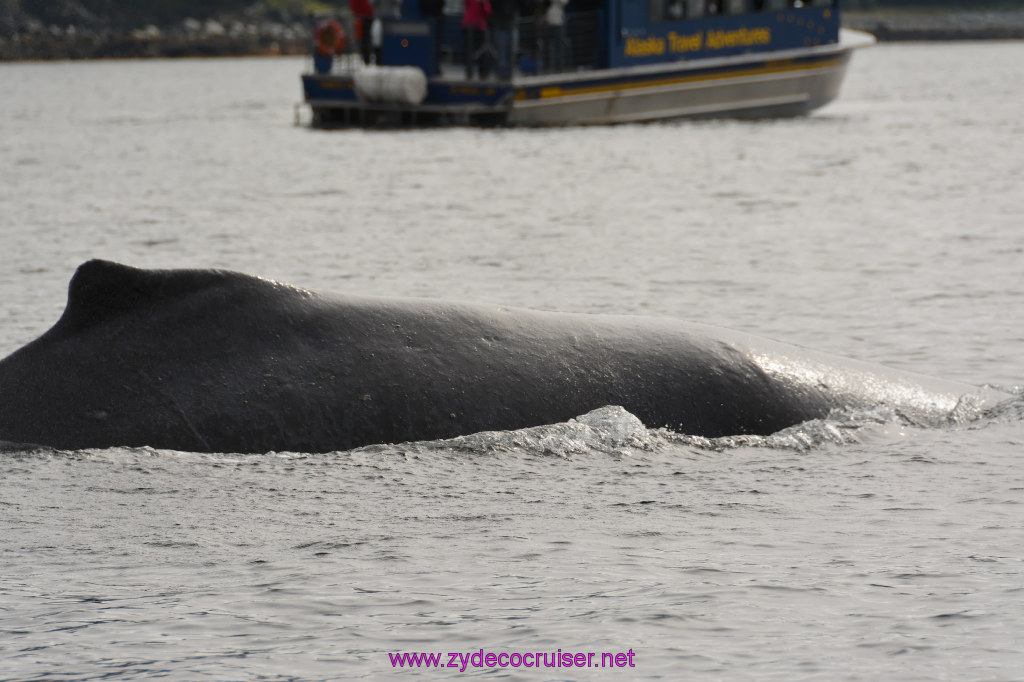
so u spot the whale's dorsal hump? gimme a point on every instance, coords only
(101, 290)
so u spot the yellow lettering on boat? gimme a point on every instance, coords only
(645, 47)
(690, 43)
(741, 37)
(674, 43)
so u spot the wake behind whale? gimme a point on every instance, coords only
(208, 360)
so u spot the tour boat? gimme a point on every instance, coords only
(609, 61)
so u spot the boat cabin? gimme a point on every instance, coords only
(601, 34)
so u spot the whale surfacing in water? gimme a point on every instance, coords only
(209, 360)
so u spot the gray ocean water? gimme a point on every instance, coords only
(885, 227)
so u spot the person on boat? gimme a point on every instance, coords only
(554, 35)
(433, 12)
(503, 33)
(474, 25)
(362, 10)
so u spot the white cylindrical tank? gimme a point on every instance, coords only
(406, 85)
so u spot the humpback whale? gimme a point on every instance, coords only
(219, 361)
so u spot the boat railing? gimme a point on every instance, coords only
(549, 49)
(538, 48)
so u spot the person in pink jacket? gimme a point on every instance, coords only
(474, 26)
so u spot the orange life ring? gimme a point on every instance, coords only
(329, 38)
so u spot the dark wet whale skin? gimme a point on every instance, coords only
(209, 360)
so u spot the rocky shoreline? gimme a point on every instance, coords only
(238, 36)
(190, 38)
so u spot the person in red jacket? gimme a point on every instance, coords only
(363, 11)
(474, 25)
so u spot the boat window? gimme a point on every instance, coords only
(677, 10)
(666, 10)
(655, 11)
(659, 11)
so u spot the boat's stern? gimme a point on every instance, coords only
(403, 95)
